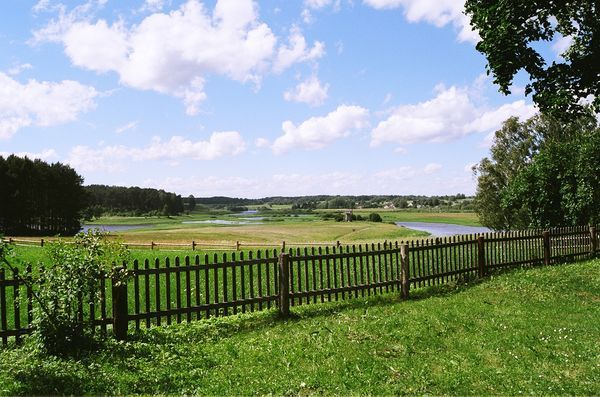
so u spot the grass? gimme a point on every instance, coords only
(531, 331)
(279, 226)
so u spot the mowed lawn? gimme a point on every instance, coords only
(532, 331)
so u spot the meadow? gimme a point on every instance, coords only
(527, 331)
(275, 226)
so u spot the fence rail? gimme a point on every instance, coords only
(193, 245)
(165, 292)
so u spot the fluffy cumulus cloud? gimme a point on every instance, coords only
(317, 132)
(41, 103)
(309, 91)
(297, 50)
(46, 155)
(453, 113)
(436, 12)
(227, 143)
(172, 53)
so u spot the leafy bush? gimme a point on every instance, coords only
(375, 217)
(70, 284)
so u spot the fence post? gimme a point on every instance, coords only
(284, 284)
(282, 246)
(41, 242)
(546, 235)
(481, 256)
(593, 241)
(237, 245)
(119, 307)
(193, 245)
(404, 272)
(151, 245)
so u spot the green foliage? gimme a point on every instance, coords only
(509, 32)
(131, 201)
(562, 184)
(191, 202)
(542, 172)
(37, 198)
(70, 284)
(375, 217)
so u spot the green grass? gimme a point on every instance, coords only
(278, 226)
(531, 331)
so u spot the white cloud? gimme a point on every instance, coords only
(452, 114)
(432, 167)
(561, 45)
(17, 69)
(400, 180)
(262, 143)
(296, 51)
(317, 132)
(126, 127)
(310, 91)
(220, 144)
(317, 4)
(436, 12)
(400, 150)
(41, 5)
(153, 5)
(46, 154)
(172, 53)
(41, 103)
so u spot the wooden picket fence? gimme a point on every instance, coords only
(161, 293)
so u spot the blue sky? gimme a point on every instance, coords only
(252, 99)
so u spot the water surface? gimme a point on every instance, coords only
(443, 229)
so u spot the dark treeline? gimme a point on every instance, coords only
(134, 201)
(37, 198)
(458, 201)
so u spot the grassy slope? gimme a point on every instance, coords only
(529, 331)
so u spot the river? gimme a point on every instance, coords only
(443, 229)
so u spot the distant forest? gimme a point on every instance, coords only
(132, 201)
(457, 201)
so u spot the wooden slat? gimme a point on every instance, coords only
(188, 287)
(157, 291)
(16, 305)
(147, 292)
(136, 292)
(3, 314)
(225, 310)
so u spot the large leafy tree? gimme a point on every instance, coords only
(509, 32)
(542, 172)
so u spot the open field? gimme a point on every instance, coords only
(274, 227)
(531, 331)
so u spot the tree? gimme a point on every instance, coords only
(191, 202)
(375, 217)
(542, 172)
(39, 198)
(509, 32)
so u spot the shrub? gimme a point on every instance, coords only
(70, 284)
(375, 217)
